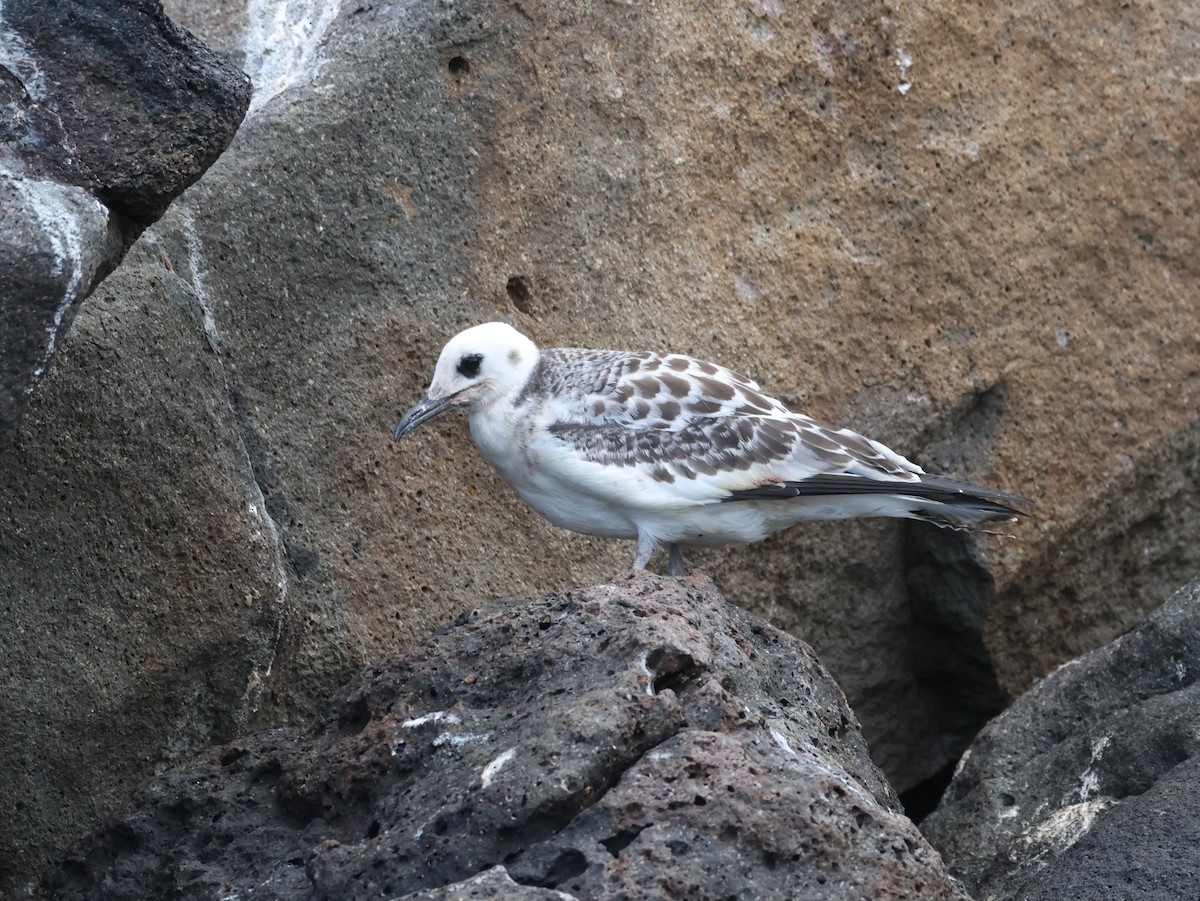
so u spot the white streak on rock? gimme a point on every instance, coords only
(60, 212)
(436, 717)
(904, 62)
(257, 509)
(457, 741)
(198, 269)
(281, 44)
(649, 675)
(1089, 782)
(16, 58)
(807, 758)
(1064, 827)
(490, 771)
(781, 740)
(962, 763)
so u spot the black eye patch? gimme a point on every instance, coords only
(468, 366)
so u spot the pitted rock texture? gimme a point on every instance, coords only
(1087, 787)
(140, 577)
(640, 739)
(126, 644)
(107, 113)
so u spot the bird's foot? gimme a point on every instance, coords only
(675, 565)
(646, 545)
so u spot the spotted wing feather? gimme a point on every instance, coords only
(682, 417)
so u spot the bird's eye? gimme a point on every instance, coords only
(468, 366)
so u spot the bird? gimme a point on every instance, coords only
(665, 449)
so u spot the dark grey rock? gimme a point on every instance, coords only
(56, 243)
(112, 97)
(641, 739)
(1086, 786)
(141, 584)
(107, 113)
(1144, 848)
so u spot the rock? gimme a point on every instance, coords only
(139, 572)
(493, 883)
(56, 243)
(107, 113)
(637, 739)
(1088, 785)
(141, 586)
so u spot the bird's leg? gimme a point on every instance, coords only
(675, 566)
(646, 545)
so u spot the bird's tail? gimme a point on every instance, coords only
(948, 503)
(953, 504)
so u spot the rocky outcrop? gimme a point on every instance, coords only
(1089, 785)
(107, 113)
(641, 739)
(966, 232)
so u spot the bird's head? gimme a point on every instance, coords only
(476, 368)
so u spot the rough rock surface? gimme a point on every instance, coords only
(139, 573)
(107, 113)
(1089, 785)
(993, 270)
(126, 642)
(640, 739)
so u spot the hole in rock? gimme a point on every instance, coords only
(615, 844)
(459, 65)
(567, 864)
(518, 291)
(923, 798)
(353, 717)
(672, 669)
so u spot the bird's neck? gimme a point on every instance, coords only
(494, 425)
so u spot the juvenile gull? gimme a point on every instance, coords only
(667, 449)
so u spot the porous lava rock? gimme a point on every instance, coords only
(1089, 785)
(108, 111)
(638, 739)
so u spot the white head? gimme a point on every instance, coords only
(477, 367)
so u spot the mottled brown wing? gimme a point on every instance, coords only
(682, 417)
(705, 446)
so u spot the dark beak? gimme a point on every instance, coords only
(422, 411)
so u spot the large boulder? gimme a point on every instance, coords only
(107, 113)
(1089, 785)
(640, 739)
(138, 612)
(967, 233)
